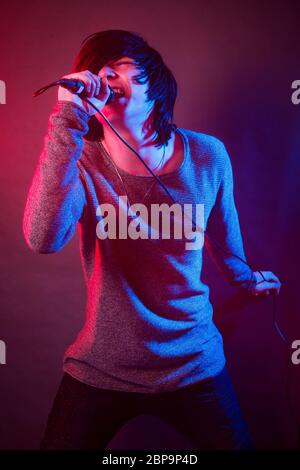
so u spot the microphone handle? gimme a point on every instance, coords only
(78, 87)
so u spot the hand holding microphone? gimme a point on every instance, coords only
(94, 87)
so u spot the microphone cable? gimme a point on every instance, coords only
(45, 88)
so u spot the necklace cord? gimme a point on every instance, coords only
(121, 179)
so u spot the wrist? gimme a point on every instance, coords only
(66, 95)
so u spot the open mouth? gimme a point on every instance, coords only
(118, 93)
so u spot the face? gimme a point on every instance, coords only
(131, 104)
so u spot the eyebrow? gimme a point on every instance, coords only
(125, 61)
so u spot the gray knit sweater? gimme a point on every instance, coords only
(149, 325)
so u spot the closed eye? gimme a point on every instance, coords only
(135, 78)
(117, 64)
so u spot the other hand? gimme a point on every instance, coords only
(266, 284)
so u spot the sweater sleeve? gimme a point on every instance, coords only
(56, 197)
(224, 240)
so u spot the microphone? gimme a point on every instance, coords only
(75, 86)
(78, 87)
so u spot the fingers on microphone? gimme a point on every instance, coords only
(93, 87)
(89, 83)
(98, 85)
(104, 89)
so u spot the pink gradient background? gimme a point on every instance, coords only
(234, 62)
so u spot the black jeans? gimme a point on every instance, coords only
(85, 417)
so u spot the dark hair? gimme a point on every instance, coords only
(103, 47)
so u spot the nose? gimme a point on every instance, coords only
(108, 72)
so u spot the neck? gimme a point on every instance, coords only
(142, 140)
